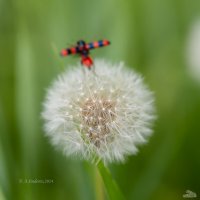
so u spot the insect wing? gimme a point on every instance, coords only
(69, 51)
(97, 44)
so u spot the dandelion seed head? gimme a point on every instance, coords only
(108, 114)
(193, 49)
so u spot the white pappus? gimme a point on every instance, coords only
(101, 116)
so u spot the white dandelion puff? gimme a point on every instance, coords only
(193, 50)
(107, 118)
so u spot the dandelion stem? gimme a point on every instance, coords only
(99, 191)
(111, 186)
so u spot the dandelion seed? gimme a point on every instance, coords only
(99, 127)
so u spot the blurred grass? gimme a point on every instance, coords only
(149, 36)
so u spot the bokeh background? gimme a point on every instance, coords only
(150, 36)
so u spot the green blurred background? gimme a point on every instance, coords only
(151, 37)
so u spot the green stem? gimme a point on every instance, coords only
(111, 186)
(99, 191)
